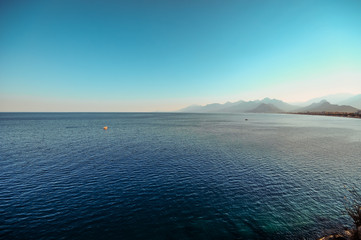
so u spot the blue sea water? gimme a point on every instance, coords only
(175, 175)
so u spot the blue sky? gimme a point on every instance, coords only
(164, 55)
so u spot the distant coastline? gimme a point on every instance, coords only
(332, 114)
(268, 105)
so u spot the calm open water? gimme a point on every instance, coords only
(175, 175)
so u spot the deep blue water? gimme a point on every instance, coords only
(174, 175)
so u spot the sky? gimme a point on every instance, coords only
(163, 55)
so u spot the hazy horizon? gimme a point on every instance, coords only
(137, 56)
(88, 107)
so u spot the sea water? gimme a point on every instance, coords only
(175, 175)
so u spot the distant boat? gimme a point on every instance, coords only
(105, 128)
(246, 119)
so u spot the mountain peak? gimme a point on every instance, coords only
(266, 108)
(268, 105)
(325, 106)
(265, 105)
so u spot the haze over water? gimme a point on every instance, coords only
(174, 176)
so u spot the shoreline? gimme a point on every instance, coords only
(332, 114)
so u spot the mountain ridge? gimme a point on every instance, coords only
(354, 101)
(268, 105)
(325, 106)
(266, 108)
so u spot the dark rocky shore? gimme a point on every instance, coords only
(348, 234)
(353, 209)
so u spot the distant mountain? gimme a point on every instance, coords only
(280, 104)
(191, 108)
(354, 101)
(266, 108)
(325, 106)
(333, 98)
(270, 105)
(209, 108)
(241, 107)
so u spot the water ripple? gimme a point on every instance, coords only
(174, 176)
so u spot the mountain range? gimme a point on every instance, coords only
(267, 105)
(354, 101)
(332, 98)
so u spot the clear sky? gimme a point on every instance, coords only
(152, 55)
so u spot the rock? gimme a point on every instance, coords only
(345, 235)
(348, 233)
(334, 237)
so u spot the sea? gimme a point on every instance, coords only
(176, 175)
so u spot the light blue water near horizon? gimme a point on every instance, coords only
(175, 175)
